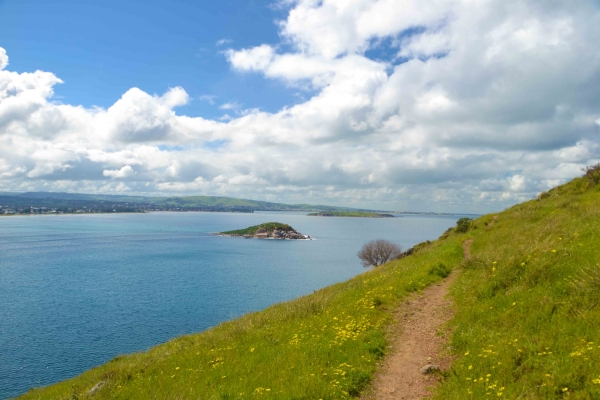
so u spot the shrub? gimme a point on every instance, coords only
(421, 246)
(447, 233)
(543, 195)
(441, 270)
(592, 173)
(378, 252)
(463, 225)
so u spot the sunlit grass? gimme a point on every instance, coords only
(528, 320)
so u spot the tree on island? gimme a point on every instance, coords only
(378, 252)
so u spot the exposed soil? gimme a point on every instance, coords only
(494, 218)
(466, 245)
(417, 339)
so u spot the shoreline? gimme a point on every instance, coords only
(306, 237)
(115, 213)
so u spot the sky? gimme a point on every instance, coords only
(420, 105)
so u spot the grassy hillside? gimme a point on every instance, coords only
(528, 320)
(185, 201)
(527, 323)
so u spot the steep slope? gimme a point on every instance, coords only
(528, 317)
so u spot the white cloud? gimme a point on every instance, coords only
(210, 99)
(232, 105)
(221, 42)
(254, 59)
(3, 58)
(433, 104)
(125, 172)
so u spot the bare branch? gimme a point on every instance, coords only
(378, 252)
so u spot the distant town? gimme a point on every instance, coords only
(109, 207)
(39, 203)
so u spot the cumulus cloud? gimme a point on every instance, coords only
(3, 58)
(125, 172)
(232, 105)
(431, 104)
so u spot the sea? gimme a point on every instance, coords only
(78, 290)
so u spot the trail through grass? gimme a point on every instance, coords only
(528, 317)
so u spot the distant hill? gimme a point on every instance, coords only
(220, 203)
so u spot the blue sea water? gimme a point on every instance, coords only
(77, 290)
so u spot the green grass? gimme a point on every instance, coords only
(268, 226)
(358, 214)
(321, 346)
(527, 324)
(528, 302)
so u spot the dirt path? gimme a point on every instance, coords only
(466, 245)
(416, 344)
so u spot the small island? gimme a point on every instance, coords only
(357, 214)
(269, 230)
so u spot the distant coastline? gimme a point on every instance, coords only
(353, 214)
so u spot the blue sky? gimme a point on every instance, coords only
(425, 105)
(100, 49)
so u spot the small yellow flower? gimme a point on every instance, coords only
(565, 389)
(470, 367)
(176, 368)
(554, 251)
(514, 304)
(467, 353)
(251, 350)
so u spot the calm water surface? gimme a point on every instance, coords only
(75, 291)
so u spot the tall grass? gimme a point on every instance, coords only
(528, 311)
